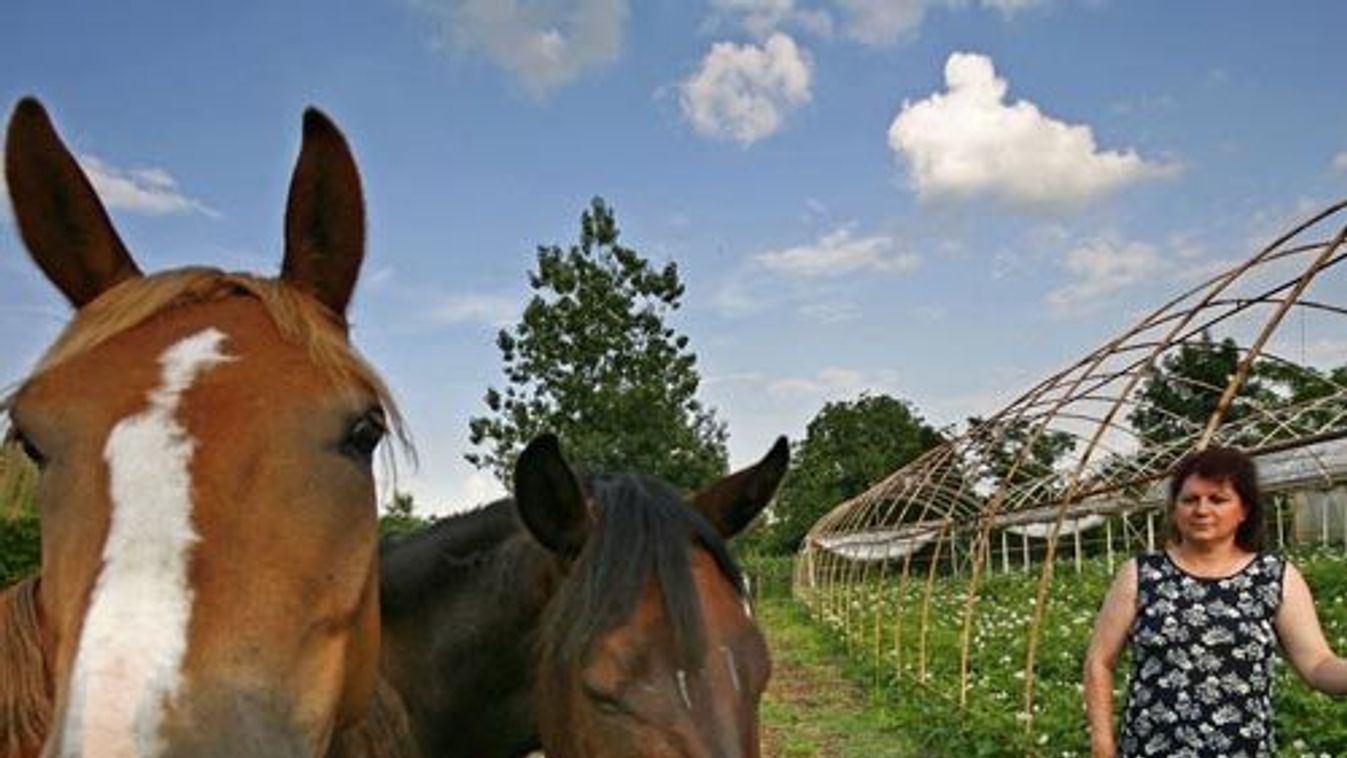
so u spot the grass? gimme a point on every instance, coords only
(812, 708)
(885, 648)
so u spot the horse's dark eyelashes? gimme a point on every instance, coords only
(605, 702)
(364, 434)
(30, 450)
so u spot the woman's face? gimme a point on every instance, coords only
(1208, 511)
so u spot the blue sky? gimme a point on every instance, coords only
(944, 201)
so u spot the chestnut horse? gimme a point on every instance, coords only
(603, 618)
(209, 576)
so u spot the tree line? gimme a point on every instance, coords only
(594, 360)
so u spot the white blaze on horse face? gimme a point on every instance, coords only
(128, 666)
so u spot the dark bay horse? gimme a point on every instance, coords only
(209, 576)
(594, 617)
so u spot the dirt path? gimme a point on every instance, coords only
(811, 710)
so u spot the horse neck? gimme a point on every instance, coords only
(25, 683)
(484, 566)
(418, 568)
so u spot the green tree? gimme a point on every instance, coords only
(20, 542)
(1019, 454)
(1318, 397)
(848, 447)
(1183, 389)
(400, 517)
(593, 361)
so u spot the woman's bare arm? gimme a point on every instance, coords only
(1303, 639)
(1106, 644)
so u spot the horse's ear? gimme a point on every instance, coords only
(61, 220)
(733, 502)
(550, 500)
(324, 217)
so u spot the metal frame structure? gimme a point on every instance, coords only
(982, 501)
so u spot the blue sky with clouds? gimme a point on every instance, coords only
(941, 200)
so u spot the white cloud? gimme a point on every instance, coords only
(1011, 7)
(968, 142)
(1340, 161)
(833, 383)
(830, 313)
(143, 190)
(491, 310)
(150, 191)
(745, 92)
(761, 18)
(543, 45)
(839, 254)
(1100, 266)
(828, 382)
(883, 22)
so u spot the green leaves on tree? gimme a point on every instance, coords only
(593, 361)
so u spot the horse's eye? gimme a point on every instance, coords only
(364, 435)
(604, 702)
(29, 449)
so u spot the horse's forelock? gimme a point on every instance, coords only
(298, 317)
(644, 531)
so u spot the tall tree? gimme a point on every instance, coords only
(848, 446)
(1184, 388)
(1020, 454)
(593, 361)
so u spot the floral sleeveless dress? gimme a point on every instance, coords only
(1203, 652)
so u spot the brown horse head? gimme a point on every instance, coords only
(649, 647)
(209, 563)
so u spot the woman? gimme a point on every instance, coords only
(1204, 618)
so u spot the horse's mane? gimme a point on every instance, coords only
(418, 564)
(299, 318)
(25, 688)
(643, 531)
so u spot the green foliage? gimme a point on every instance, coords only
(20, 546)
(769, 576)
(1022, 454)
(879, 622)
(20, 543)
(1179, 397)
(400, 517)
(593, 361)
(1319, 395)
(810, 708)
(848, 447)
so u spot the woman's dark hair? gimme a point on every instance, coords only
(1224, 464)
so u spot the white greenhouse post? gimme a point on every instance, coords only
(1005, 553)
(1108, 543)
(1024, 537)
(953, 554)
(1338, 494)
(1281, 530)
(1150, 531)
(1076, 535)
(1326, 512)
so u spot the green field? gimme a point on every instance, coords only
(920, 702)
